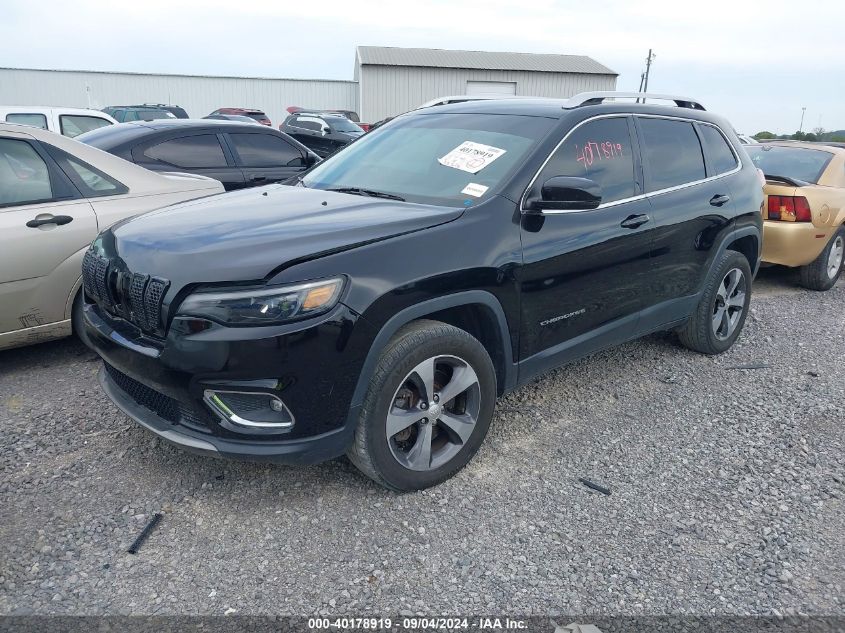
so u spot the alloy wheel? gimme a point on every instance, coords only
(834, 259)
(729, 304)
(433, 413)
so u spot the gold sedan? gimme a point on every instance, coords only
(56, 194)
(804, 210)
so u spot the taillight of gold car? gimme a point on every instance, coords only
(789, 209)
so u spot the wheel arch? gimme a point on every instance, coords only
(747, 243)
(475, 311)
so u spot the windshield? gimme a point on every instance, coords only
(342, 124)
(445, 159)
(798, 163)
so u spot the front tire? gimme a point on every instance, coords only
(427, 409)
(823, 272)
(718, 319)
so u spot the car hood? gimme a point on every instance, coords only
(245, 235)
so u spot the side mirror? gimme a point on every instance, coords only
(567, 193)
(311, 160)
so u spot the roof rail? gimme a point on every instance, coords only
(595, 98)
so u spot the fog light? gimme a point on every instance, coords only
(251, 409)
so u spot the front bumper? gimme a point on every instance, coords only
(311, 366)
(793, 243)
(303, 451)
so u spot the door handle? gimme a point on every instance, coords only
(257, 178)
(633, 221)
(719, 200)
(53, 219)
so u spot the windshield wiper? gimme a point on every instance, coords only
(358, 191)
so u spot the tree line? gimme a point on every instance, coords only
(818, 134)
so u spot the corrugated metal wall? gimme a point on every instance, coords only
(197, 94)
(391, 90)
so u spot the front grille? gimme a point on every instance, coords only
(163, 406)
(133, 296)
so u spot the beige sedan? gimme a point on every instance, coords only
(56, 195)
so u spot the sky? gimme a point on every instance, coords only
(756, 62)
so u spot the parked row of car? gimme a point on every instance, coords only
(380, 301)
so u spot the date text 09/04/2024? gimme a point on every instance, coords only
(416, 623)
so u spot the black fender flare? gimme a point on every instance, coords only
(747, 231)
(418, 310)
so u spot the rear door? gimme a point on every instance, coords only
(265, 157)
(691, 207)
(201, 152)
(44, 221)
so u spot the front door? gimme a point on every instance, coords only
(584, 272)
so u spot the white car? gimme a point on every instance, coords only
(56, 195)
(66, 121)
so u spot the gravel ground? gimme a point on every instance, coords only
(727, 494)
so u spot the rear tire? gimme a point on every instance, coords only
(823, 272)
(416, 432)
(720, 314)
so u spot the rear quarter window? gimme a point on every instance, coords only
(719, 153)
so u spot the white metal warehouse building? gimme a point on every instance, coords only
(387, 81)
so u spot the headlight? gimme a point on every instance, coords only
(264, 306)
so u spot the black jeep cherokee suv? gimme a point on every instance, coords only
(379, 305)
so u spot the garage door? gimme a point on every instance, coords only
(491, 87)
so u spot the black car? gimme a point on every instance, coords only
(237, 154)
(324, 133)
(380, 305)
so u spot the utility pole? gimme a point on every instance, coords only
(801, 127)
(648, 61)
(644, 76)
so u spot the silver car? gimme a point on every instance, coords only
(56, 195)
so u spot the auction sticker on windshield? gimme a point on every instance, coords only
(471, 157)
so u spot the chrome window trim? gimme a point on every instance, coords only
(605, 205)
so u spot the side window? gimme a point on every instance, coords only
(74, 125)
(310, 123)
(129, 115)
(719, 153)
(24, 176)
(119, 115)
(601, 151)
(26, 118)
(189, 152)
(265, 150)
(304, 123)
(672, 152)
